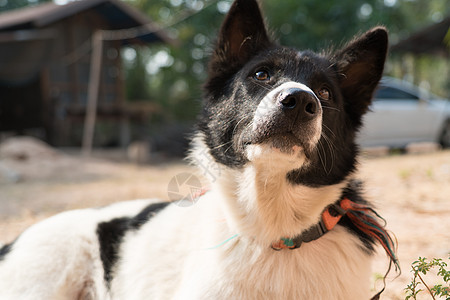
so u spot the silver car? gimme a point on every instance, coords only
(401, 114)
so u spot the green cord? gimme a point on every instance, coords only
(223, 243)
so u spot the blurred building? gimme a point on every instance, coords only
(45, 58)
(424, 56)
(432, 40)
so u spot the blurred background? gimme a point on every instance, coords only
(147, 79)
(121, 81)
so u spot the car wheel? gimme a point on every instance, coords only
(445, 136)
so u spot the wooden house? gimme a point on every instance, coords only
(45, 60)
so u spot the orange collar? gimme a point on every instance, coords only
(363, 217)
(330, 217)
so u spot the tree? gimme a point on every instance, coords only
(304, 24)
(172, 75)
(6, 5)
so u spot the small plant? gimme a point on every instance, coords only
(422, 266)
(405, 174)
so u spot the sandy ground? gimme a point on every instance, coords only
(412, 192)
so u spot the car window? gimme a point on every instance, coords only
(385, 92)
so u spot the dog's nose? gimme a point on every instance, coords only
(302, 103)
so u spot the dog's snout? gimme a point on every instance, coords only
(289, 102)
(301, 102)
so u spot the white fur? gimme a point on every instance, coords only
(216, 249)
(195, 263)
(58, 258)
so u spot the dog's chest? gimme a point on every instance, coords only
(324, 270)
(200, 261)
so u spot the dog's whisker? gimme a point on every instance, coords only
(221, 145)
(322, 160)
(329, 130)
(240, 140)
(238, 122)
(331, 108)
(264, 87)
(332, 151)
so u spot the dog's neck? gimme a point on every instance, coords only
(258, 200)
(276, 208)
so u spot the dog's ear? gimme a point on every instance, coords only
(360, 65)
(241, 36)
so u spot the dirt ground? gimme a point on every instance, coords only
(412, 192)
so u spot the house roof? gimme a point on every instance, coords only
(118, 15)
(430, 40)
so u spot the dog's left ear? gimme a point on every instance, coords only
(242, 35)
(360, 67)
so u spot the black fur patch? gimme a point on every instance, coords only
(110, 235)
(353, 192)
(232, 94)
(5, 250)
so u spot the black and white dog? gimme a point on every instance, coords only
(284, 217)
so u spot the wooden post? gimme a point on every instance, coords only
(93, 92)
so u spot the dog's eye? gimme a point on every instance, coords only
(324, 94)
(262, 75)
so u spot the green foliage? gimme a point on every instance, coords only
(306, 24)
(447, 38)
(422, 266)
(176, 84)
(6, 5)
(137, 83)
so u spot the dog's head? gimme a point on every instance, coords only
(266, 101)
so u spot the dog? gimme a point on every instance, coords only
(284, 216)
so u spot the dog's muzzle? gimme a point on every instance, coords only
(289, 115)
(299, 105)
